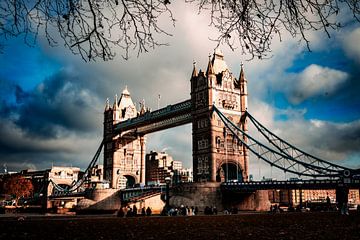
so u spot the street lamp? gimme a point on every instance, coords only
(167, 181)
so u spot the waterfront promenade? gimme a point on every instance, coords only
(310, 225)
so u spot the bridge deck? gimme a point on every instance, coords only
(301, 184)
(170, 116)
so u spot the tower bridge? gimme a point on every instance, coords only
(216, 157)
(221, 143)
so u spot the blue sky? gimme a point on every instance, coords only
(52, 102)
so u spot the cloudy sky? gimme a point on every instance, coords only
(52, 103)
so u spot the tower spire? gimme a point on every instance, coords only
(107, 105)
(210, 69)
(243, 90)
(242, 75)
(194, 72)
(115, 102)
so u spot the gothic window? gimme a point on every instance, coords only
(203, 165)
(200, 165)
(202, 144)
(218, 142)
(206, 165)
(202, 123)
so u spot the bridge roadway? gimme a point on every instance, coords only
(297, 184)
(130, 194)
(167, 117)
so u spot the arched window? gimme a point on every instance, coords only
(218, 142)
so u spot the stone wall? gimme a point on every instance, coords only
(209, 194)
(104, 199)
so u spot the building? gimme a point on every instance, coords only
(294, 197)
(160, 165)
(124, 156)
(48, 183)
(217, 154)
(183, 175)
(97, 178)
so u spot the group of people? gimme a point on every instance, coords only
(210, 210)
(181, 211)
(233, 210)
(133, 212)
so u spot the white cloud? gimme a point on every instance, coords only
(351, 44)
(315, 80)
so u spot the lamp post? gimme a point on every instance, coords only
(167, 181)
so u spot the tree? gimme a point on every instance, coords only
(18, 187)
(92, 28)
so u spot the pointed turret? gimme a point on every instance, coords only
(194, 73)
(210, 69)
(125, 92)
(115, 106)
(242, 75)
(243, 90)
(107, 105)
(126, 106)
(218, 62)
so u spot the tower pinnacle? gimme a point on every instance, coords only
(210, 69)
(107, 105)
(115, 106)
(194, 72)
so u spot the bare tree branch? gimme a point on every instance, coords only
(91, 28)
(254, 23)
(94, 28)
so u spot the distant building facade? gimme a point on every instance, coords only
(160, 165)
(45, 183)
(285, 196)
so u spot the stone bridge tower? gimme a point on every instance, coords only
(124, 155)
(217, 155)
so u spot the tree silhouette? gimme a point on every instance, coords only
(92, 28)
(18, 187)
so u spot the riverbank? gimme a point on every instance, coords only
(319, 225)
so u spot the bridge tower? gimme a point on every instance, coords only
(217, 155)
(124, 155)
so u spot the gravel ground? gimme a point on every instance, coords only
(322, 225)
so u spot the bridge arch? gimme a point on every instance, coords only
(126, 180)
(229, 171)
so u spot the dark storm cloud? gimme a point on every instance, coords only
(59, 121)
(58, 104)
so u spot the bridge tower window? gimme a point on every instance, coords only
(218, 142)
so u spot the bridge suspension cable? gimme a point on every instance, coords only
(274, 158)
(77, 184)
(293, 151)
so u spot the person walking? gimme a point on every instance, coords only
(148, 211)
